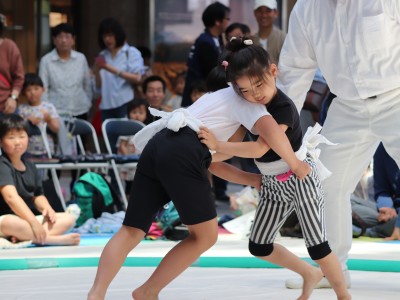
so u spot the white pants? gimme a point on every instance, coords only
(358, 126)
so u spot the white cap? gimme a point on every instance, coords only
(268, 3)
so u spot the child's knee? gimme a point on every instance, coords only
(319, 251)
(206, 238)
(211, 238)
(260, 250)
(68, 219)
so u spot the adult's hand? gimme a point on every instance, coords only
(386, 214)
(10, 106)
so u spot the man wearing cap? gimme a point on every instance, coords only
(269, 36)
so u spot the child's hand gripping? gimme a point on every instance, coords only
(208, 138)
(302, 169)
(38, 232)
(49, 215)
(46, 115)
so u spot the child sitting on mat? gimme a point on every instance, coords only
(21, 193)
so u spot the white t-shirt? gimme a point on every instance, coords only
(224, 111)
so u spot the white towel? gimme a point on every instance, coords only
(174, 120)
(311, 140)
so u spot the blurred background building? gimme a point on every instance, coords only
(166, 27)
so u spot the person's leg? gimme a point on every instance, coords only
(366, 210)
(309, 206)
(276, 204)
(112, 258)
(283, 257)
(387, 124)
(201, 237)
(348, 125)
(332, 270)
(20, 230)
(148, 197)
(143, 204)
(382, 230)
(65, 222)
(190, 192)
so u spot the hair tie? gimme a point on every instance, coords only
(225, 64)
(233, 38)
(248, 42)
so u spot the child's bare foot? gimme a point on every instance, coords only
(92, 296)
(347, 296)
(310, 280)
(142, 294)
(71, 239)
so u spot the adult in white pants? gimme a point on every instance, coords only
(356, 45)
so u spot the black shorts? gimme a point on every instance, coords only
(173, 166)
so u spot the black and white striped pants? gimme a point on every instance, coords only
(279, 198)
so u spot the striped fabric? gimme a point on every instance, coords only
(280, 197)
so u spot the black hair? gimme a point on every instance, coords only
(145, 52)
(151, 79)
(10, 122)
(110, 25)
(244, 57)
(32, 79)
(216, 79)
(63, 27)
(198, 85)
(213, 13)
(136, 103)
(243, 27)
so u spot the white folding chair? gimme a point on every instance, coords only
(41, 130)
(79, 128)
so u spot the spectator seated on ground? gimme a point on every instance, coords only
(377, 215)
(21, 194)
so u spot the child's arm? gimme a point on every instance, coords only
(235, 175)
(241, 149)
(19, 207)
(270, 131)
(43, 205)
(236, 137)
(52, 123)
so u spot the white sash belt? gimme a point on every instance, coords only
(174, 120)
(311, 140)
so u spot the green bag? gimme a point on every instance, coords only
(94, 195)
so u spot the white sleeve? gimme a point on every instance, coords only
(297, 62)
(87, 81)
(247, 113)
(43, 73)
